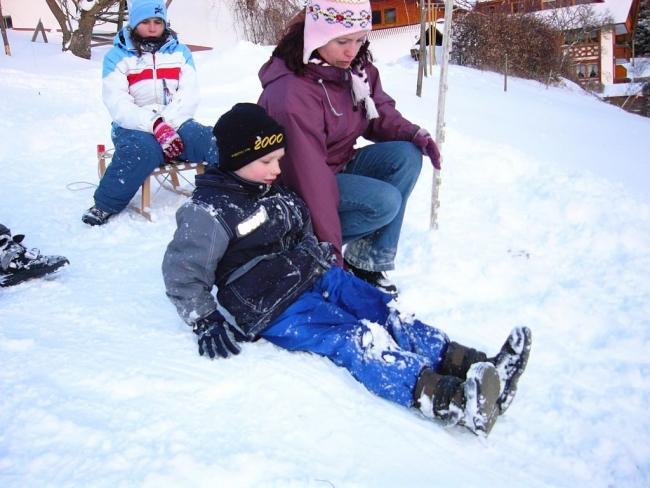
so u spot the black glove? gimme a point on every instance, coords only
(216, 334)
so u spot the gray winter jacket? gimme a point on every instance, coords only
(253, 241)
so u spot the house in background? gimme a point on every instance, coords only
(394, 13)
(387, 14)
(600, 55)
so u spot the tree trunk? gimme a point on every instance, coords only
(80, 43)
(62, 20)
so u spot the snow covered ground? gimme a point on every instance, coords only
(544, 221)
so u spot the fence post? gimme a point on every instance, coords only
(421, 57)
(3, 28)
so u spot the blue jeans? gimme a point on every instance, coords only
(374, 190)
(348, 321)
(138, 153)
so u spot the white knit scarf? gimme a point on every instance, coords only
(360, 88)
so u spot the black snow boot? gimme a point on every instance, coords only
(510, 362)
(18, 264)
(471, 403)
(458, 360)
(378, 279)
(95, 216)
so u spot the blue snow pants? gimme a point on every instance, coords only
(138, 153)
(349, 321)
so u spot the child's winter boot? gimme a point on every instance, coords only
(510, 362)
(471, 403)
(18, 264)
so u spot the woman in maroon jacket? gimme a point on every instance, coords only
(321, 85)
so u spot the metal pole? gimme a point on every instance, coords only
(442, 95)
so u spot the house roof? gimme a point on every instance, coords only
(617, 10)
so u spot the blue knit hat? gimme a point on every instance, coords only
(140, 10)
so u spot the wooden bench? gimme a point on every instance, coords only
(168, 172)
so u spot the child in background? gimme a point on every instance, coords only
(150, 88)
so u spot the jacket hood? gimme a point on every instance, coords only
(275, 68)
(123, 40)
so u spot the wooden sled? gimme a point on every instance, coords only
(167, 175)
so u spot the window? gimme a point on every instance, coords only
(376, 17)
(549, 4)
(517, 7)
(585, 71)
(390, 16)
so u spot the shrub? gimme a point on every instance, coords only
(533, 49)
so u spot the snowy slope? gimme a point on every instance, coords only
(544, 221)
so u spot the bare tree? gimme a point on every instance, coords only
(263, 21)
(77, 19)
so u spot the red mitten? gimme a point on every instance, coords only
(171, 143)
(428, 146)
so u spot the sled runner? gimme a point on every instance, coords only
(167, 175)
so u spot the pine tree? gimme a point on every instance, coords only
(642, 36)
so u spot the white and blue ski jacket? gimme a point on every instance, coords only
(137, 90)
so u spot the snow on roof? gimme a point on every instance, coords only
(622, 90)
(617, 10)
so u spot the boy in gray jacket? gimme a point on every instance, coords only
(253, 240)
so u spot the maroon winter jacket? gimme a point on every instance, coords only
(322, 124)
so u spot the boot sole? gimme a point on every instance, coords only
(31, 273)
(481, 389)
(520, 341)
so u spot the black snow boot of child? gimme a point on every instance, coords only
(18, 264)
(510, 362)
(471, 403)
(458, 359)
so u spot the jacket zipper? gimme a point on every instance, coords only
(155, 79)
